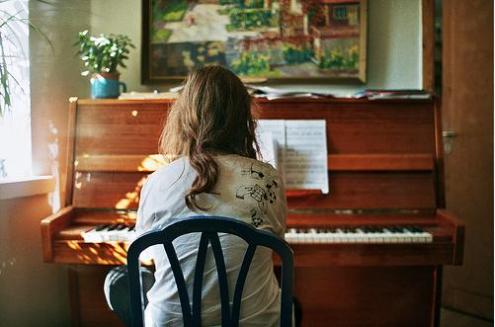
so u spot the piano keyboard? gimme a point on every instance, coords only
(363, 234)
(110, 233)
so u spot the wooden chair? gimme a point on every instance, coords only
(209, 226)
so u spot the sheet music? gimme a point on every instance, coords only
(301, 154)
(271, 138)
(305, 156)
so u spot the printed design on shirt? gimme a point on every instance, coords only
(254, 171)
(261, 194)
(256, 220)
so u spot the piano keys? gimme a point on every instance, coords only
(357, 235)
(110, 233)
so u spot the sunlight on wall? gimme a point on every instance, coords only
(15, 126)
(54, 155)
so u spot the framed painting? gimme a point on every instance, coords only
(283, 40)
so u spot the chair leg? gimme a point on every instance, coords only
(297, 311)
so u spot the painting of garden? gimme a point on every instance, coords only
(273, 39)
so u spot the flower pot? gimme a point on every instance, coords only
(105, 86)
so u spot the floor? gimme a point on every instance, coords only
(449, 318)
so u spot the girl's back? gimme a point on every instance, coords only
(246, 189)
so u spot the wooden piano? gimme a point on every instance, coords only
(385, 171)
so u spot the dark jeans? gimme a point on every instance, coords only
(116, 289)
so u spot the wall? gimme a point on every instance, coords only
(55, 76)
(394, 43)
(32, 293)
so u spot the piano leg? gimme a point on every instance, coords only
(438, 293)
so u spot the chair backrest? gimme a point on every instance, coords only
(209, 226)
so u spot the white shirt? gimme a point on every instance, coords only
(246, 189)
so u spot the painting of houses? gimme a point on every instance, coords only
(273, 39)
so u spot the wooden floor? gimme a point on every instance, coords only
(451, 318)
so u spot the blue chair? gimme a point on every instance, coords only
(209, 226)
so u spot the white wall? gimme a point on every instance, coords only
(55, 76)
(394, 43)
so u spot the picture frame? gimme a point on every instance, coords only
(260, 40)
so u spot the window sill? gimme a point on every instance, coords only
(29, 186)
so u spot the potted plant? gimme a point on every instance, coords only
(102, 56)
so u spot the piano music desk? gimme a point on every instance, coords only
(385, 171)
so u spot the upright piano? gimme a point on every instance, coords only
(368, 253)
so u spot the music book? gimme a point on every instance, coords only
(299, 149)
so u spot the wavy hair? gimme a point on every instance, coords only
(212, 115)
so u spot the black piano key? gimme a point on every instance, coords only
(112, 227)
(409, 229)
(120, 227)
(101, 227)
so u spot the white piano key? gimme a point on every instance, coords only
(361, 236)
(290, 235)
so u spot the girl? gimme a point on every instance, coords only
(211, 134)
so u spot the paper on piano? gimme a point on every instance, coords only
(305, 155)
(271, 139)
(268, 148)
(302, 151)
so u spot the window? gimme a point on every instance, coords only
(15, 125)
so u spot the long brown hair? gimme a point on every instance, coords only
(212, 115)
